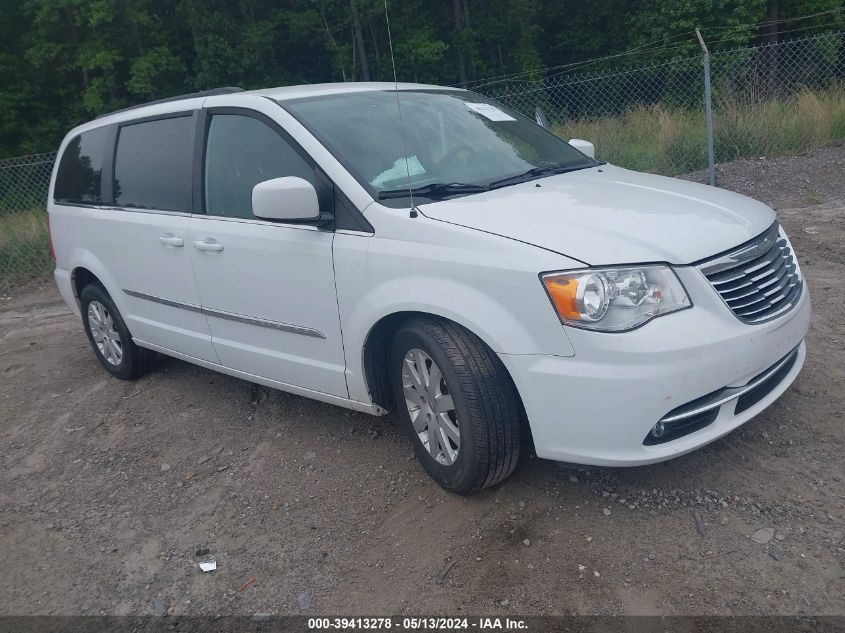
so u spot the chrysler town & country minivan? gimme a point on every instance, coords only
(424, 249)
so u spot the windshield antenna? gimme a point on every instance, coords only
(399, 108)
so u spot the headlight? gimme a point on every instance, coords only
(615, 299)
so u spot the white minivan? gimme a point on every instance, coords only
(380, 246)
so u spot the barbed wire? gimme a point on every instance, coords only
(32, 159)
(655, 46)
(779, 21)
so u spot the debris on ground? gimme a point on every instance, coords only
(202, 551)
(699, 522)
(304, 600)
(776, 551)
(210, 565)
(441, 575)
(246, 584)
(763, 535)
(526, 542)
(159, 607)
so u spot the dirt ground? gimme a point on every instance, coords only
(108, 488)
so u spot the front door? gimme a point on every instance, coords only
(267, 288)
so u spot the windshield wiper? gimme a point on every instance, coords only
(433, 190)
(535, 172)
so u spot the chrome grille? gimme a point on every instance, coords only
(758, 281)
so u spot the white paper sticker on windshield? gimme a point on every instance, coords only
(489, 111)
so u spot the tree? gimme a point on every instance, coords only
(66, 61)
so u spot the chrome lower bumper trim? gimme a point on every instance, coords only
(723, 396)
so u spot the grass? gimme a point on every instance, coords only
(672, 141)
(24, 247)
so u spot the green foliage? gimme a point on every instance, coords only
(65, 61)
(725, 21)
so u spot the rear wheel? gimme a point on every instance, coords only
(457, 402)
(109, 337)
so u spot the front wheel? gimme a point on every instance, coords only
(458, 403)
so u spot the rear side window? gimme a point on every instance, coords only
(152, 164)
(242, 151)
(81, 167)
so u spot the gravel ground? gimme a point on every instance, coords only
(109, 488)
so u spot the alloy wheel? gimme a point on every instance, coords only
(105, 336)
(431, 407)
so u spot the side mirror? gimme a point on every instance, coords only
(288, 198)
(585, 147)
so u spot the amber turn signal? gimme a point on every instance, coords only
(563, 291)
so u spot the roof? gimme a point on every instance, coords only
(315, 90)
(196, 100)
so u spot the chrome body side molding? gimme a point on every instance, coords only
(240, 318)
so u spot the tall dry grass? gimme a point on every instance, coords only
(672, 141)
(24, 246)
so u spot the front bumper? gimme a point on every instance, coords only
(599, 406)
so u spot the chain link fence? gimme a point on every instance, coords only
(24, 236)
(777, 99)
(781, 98)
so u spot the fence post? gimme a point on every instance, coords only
(708, 112)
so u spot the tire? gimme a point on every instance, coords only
(124, 359)
(486, 410)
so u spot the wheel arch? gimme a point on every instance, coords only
(376, 349)
(518, 326)
(87, 269)
(81, 277)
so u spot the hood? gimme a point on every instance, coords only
(609, 215)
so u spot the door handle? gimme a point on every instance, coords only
(171, 240)
(208, 245)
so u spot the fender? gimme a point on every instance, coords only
(83, 258)
(493, 322)
(486, 283)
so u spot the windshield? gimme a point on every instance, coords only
(455, 143)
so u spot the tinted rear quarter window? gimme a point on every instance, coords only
(80, 168)
(152, 165)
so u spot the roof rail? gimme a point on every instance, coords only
(202, 93)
